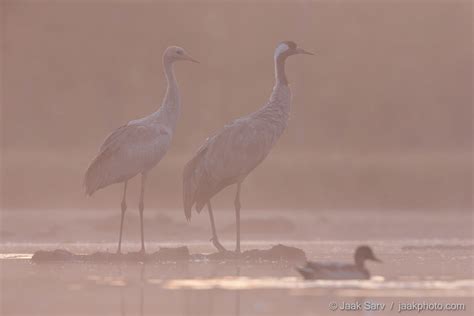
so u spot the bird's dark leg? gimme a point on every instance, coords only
(237, 217)
(141, 207)
(124, 208)
(214, 239)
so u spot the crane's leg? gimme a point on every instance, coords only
(124, 208)
(141, 207)
(214, 239)
(237, 217)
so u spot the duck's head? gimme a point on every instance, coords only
(288, 48)
(363, 253)
(175, 53)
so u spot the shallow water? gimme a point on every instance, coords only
(415, 271)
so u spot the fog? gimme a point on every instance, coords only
(381, 115)
(378, 151)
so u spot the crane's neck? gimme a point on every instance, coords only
(277, 109)
(169, 111)
(280, 75)
(279, 104)
(280, 99)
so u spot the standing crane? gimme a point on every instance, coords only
(229, 156)
(136, 147)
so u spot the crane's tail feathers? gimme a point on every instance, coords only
(200, 206)
(188, 192)
(305, 272)
(94, 178)
(187, 213)
(86, 184)
(90, 182)
(191, 178)
(88, 188)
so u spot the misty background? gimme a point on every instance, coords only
(381, 115)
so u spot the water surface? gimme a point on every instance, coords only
(415, 271)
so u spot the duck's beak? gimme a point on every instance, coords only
(302, 51)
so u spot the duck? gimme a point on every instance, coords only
(340, 271)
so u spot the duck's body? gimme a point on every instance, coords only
(340, 271)
(333, 271)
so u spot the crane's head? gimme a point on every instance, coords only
(175, 53)
(287, 48)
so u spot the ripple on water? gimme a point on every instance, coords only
(22, 256)
(376, 286)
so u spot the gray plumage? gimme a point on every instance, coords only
(129, 150)
(139, 145)
(230, 155)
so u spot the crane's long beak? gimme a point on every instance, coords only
(188, 57)
(302, 51)
(377, 260)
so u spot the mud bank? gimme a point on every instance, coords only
(178, 254)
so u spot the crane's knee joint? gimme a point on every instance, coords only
(124, 206)
(141, 207)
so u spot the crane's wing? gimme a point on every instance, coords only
(127, 151)
(226, 158)
(237, 149)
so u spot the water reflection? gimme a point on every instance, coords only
(17, 256)
(138, 283)
(124, 285)
(349, 287)
(232, 288)
(237, 293)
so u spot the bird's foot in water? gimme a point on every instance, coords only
(218, 245)
(135, 255)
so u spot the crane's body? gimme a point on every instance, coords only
(138, 146)
(229, 156)
(130, 150)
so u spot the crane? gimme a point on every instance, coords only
(227, 157)
(136, 147)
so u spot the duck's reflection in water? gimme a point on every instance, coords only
(239, 288)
